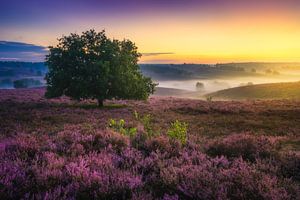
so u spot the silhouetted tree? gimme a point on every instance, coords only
(199, 86)
(93, 66)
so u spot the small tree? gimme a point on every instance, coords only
(93, 66)
(199, 86)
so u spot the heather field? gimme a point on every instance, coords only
(164, 148)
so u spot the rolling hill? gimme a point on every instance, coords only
(289, 90)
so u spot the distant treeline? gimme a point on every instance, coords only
(18, 70)
(27, 83)
(21, 74)
(248, 66)
(11, 68)
(192, 71)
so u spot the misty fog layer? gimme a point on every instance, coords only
(180, 80)
(213, 85)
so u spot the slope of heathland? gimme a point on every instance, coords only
(261, 91)
(60, 149)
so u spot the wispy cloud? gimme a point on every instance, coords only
(21, 51)
(8, 59)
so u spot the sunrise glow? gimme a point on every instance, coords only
(192, 32)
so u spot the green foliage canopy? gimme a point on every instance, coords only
(93, 66)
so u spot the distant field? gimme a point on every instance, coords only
(172, 92)
(261, 91)
(161, 91)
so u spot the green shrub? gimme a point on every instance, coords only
(119, 126)
(209, 98)
(147, 122)
(136, 115)
(178, 131)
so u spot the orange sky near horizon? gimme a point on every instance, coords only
(245, 32)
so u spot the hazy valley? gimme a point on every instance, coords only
(174, 79)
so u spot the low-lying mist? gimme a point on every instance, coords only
(213, 85)
(179, 80)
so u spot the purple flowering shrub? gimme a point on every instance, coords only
(247, 146)
(74, 164)
(194, 175)
(286, 165)
(289, 165)
(70, 159)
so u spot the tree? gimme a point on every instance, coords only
(199, 86)
(93, 66)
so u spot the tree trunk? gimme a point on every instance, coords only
(100, 103)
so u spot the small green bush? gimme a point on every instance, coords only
(178, 131)
(209, 98)
(146, 121)
(119, 126)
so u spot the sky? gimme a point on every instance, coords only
(165, 31)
